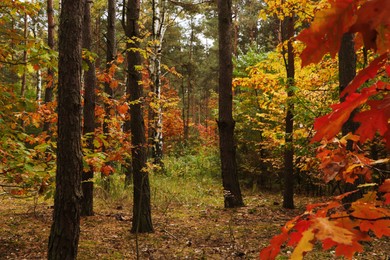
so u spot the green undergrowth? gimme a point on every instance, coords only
(191, 179)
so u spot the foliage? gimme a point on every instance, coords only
(339, 223)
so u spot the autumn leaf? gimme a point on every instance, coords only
(365, 74)
(373, 23)
(385, 187)
(305, 245)
(348, 250)
(329, 125)
(327, 229)
(107, 170)
(122, 109)
(380, 227)
(371, 121)
(326, 31)
(273, 249)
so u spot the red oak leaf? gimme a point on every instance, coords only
(329, 125)
(273, 250)
(371, 121)
(365, 74)
(373, 21)
(348, 250)
(326, 31)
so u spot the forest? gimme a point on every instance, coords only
(194, 129)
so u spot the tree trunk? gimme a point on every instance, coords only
(110, 57)
(158, 32)
(232, 192)
(142, 220)
(24, 76)
(89, 113)
(347, 72)
(50, 71)
(65, 230)
(288, 195)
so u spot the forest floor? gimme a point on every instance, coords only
(191, 229)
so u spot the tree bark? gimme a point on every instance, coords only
(158, 32)
(24, 76)
(142, 220)
(288, 195)
(110, 57)
(89, 113)
(65, 230)
(50, 71)
(232, 192)
(347, 72)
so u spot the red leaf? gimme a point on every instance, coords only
(107, 170)
(365, 74)
(380, 227)
(329, 125)
(371, 121)
(348, 250)
(373, 21)
(326, 31)
(328, 243)
(385, 187)
(273, 250)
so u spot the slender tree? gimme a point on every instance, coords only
(111, 53)
(50, 72)
(65, 230)
(24, 76)
(232, 192)
(347, 72)
(88, 112)
(159, 26)
(142, 220)
(287, 34)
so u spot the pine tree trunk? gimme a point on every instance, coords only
(142, 220)
(232, 192)
(89, 113)
(288, 195)
(65, 230)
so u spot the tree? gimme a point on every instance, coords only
(142, 220)
(232, 191)
(111, 53)
(65, 230)
(287, 34)
(89, 112)
(50, 72)
(159, 26)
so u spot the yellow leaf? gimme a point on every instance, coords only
(304, 245)
(328, 229)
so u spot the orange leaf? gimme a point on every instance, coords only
(380, 227)
(385, 187)
(365, 74)
(372, 17)
(273, 250)
(107, 170)
(329, 125)
(326, 31)
(122, 109)
(348, 250)
(329, 230)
